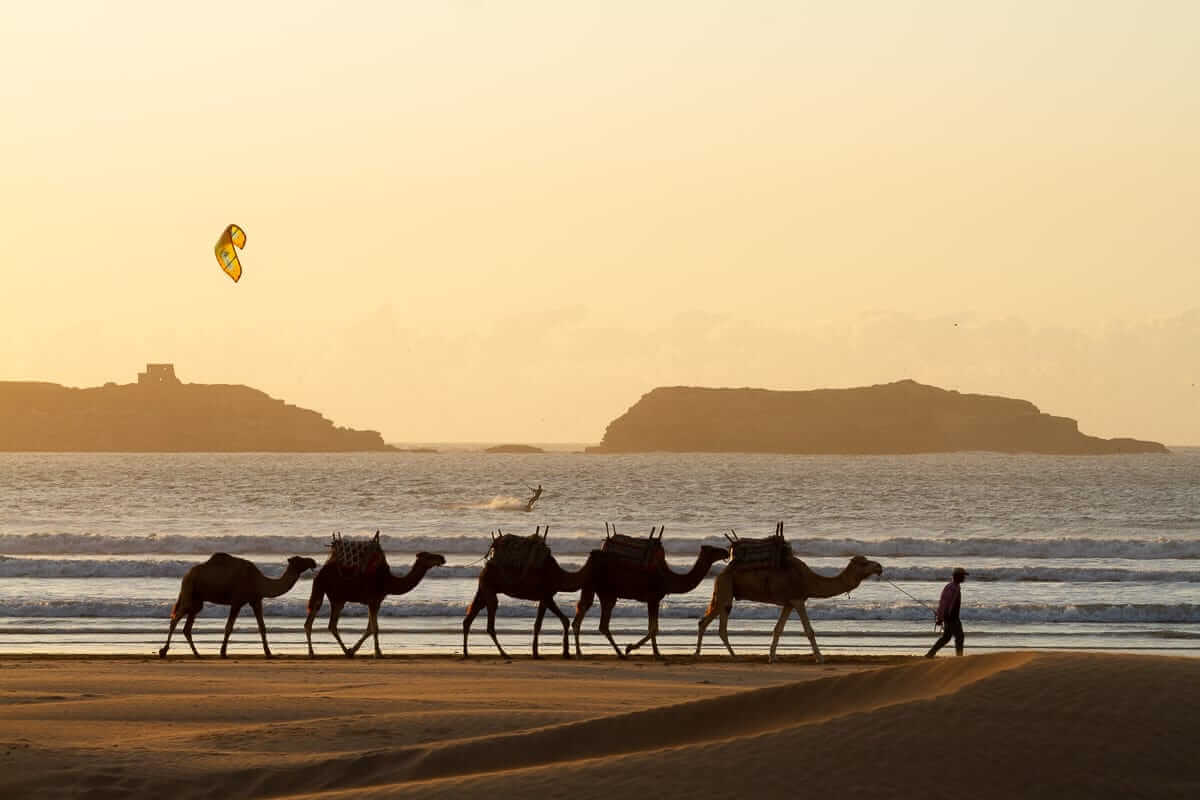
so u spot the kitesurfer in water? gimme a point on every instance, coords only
(536, 494)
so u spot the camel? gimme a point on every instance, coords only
(230, 581)
(525, 583)
(345, 587)
(789, 586)
(614, 577)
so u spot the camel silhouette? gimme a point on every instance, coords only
(230, 581)
(538, 583)
(348, 586)
(789, 585)
(613, 576)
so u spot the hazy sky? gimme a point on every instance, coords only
(507, 221)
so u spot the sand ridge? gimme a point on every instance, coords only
(995, 725)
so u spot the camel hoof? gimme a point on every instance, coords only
(162, 653)
(267, 655)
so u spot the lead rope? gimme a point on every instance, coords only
(919, 601)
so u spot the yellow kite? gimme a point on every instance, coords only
(233, 237)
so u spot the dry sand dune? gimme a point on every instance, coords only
(1000, 725)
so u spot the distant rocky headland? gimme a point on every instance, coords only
(893, 418)
(161, 414)
(514, 448)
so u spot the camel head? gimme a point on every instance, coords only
(861, 568)
(713, 554)
(300, 564)
(431, 559)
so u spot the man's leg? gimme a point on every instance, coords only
(959, 637)
(945, 637)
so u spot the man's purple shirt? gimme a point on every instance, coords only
(949, 604)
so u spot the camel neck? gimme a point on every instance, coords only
(680, 584)
(273, 587)
(400, 584)
(573, 581)
(817, 585)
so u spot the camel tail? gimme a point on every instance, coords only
(185, 595)
(718, 603)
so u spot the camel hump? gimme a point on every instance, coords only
(223, 558)
(771, 552)
(643, 552)
(359, 556)
(520, 552)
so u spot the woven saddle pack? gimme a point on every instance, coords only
(644, 552)
(769, 552)
(356, 556)
(518, 552)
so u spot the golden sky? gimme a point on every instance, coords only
(474, 221)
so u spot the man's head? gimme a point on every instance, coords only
(960, 574)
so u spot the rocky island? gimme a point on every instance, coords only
(893, 418)
(514, 448)
(159, 413)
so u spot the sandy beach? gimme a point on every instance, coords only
(996, 725)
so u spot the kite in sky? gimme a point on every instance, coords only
(232, 239)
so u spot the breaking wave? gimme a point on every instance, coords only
(581, 543)
(501, 503)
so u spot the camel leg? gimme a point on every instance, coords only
(651, 630)
(372, 629)
(723, 630)
(314, 607)
(262, 628)
(708, 617)
(375, 630)
(472, 612)
(537, 626)
(654, 628)
(607, 604)
(187, 631)
(581, 608)
(174, 621)
(492, 603)
(652, 613)
(553, 606)
(335, 614)
(234, 609)
(366, 633)
(721, 603)
(812, 637)
(784, 613)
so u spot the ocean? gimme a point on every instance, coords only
(1083, 553)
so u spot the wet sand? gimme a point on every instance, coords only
(995, 725)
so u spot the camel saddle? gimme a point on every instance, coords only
(770, 552)
(518, 552)
(356, 556)
(643, 552)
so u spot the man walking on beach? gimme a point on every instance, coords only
(947, 614)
